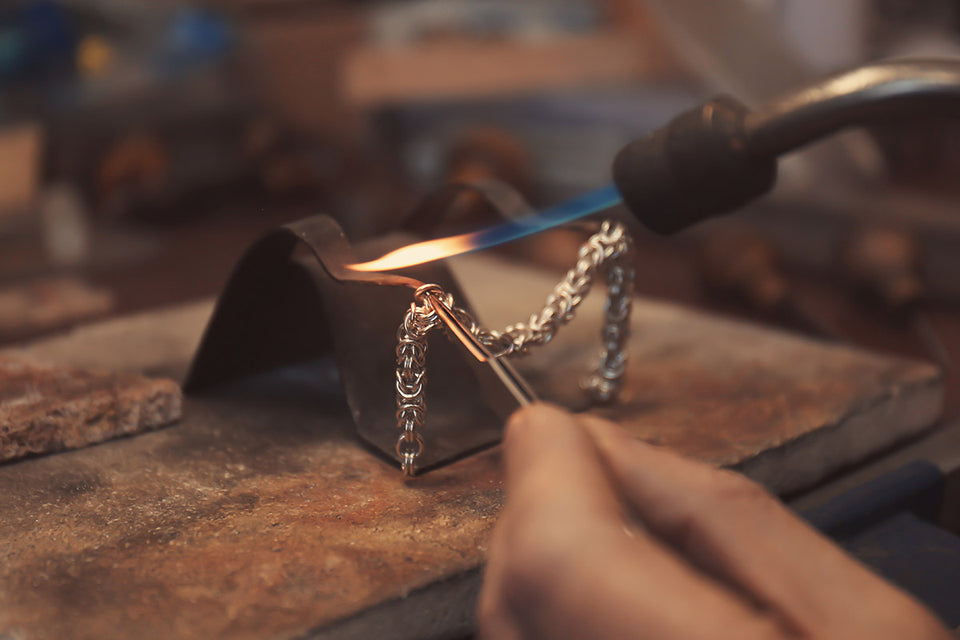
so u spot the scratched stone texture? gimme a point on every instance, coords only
(45, 407)
(260, 515)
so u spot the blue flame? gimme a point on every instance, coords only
(568, 211)
(430, 250)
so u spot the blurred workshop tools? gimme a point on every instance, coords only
(743, 265)
(886, 266)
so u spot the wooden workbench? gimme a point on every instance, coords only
(261, 516)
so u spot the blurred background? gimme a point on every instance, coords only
(145, 143)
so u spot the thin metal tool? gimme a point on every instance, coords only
(517, 386)
(434, 294)
(607, 250)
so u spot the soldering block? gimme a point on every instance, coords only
(46, 408)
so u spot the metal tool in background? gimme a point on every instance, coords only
(483, 154)
(743, 265)
(886, 265)
(882, 264)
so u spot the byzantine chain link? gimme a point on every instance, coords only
(412, 334)
(608, 249)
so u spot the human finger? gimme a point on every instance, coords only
(738, 532)
(564, 563)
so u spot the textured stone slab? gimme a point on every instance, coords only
(46, 304)
(45, 408)
(260, 515)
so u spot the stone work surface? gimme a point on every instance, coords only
(49, 303)
(261, 515)
(45, 408)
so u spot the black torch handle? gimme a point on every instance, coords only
(721, 155)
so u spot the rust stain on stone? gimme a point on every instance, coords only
(262, 516)
(47, 408)
(140, 542)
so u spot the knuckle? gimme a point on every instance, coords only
(695, 524)
(525, 421)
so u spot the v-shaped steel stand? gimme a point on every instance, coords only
(291, 300)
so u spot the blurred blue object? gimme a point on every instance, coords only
(195, 36)
(51, 34)
(141, 101)
(39, 38)
(14, 54)
(35, 37)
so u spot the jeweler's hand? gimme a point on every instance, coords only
(606, 537)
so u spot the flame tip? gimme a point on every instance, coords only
(419, 253)
(431, 250)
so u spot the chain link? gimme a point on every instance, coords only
(417, 323)
(607, 249)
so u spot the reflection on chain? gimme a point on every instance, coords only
(607, 249)
(419, 320)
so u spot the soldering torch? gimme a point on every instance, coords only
(721, 155)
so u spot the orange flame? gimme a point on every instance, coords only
(420, 252)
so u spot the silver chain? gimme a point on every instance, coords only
(607, 249)
(417, 323)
